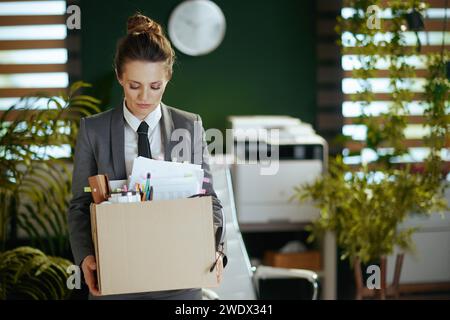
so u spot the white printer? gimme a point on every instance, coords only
(302, 155)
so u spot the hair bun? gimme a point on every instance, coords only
(139, 23)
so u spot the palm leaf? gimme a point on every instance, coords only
(27, 273)
(43, 182)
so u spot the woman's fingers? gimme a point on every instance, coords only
(89, 269)
(90, 281)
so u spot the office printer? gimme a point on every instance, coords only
(302, 155)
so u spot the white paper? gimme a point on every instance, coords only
(170, 180)
(174, 188)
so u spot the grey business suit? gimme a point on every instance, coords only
(100, 150)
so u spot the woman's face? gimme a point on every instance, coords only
(143, 84)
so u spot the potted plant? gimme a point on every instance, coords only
(365, 205)
(365, 210)
(35, 186)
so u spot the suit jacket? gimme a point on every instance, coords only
(100, 150)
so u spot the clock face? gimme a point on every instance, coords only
(197, 27)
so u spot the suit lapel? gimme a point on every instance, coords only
(118, 143)
(167, 127)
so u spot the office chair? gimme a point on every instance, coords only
(241, 281)
(270, 273)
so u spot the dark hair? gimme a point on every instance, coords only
(145, 41)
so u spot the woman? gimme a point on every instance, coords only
(141, 125)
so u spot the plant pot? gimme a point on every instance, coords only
(385, 291)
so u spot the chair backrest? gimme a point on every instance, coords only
(237, 283)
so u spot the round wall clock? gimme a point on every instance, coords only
(197, 27)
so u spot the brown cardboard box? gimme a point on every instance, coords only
(154, 245)
(310, 260)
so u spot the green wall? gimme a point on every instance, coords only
(265, 65)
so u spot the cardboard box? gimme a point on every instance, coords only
(154, 245)
(310, 260)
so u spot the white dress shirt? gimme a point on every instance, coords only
(131, 137)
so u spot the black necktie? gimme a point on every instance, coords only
(143, 143)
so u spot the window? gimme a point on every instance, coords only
(432, 40)
(33, 53)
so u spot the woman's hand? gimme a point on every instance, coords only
(219, 267)
(89, 267)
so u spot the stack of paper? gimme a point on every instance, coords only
(170, 180)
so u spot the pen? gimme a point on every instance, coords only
(147, 187)
(139, 191)
(151, 193)
(142, 195)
